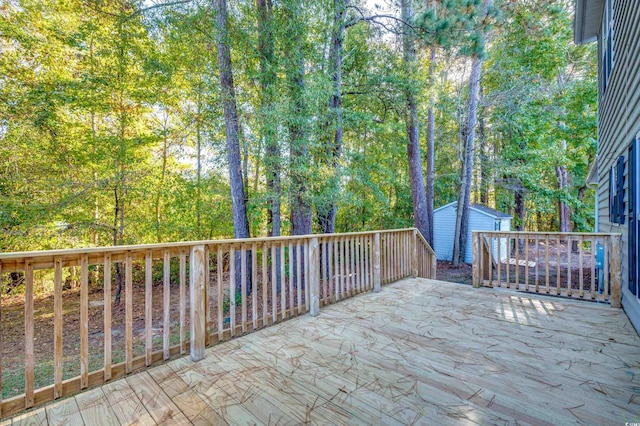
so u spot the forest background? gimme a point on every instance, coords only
(127, 122)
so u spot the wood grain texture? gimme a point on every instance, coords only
(128, 301)
(57, 330)
(148, 306)
(28, 335)
(66, 412)
(166, 303)
(197, 293)
(107, 316)
(419, 352)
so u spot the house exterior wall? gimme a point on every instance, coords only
(618, 125)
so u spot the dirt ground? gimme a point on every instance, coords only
(456, 274)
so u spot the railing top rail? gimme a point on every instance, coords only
(178, 245)
(560, 234)
(424, 241)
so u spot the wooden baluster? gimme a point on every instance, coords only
(616, 266)
(283, 283)
(581, 264)
(265, 283)
(197, 294)
(183, 299)
(593, 268)
(330, 272)
(361, 257)
(367, 260)
(243, 286)
(128, 301)
(342, 269)
(207, 293)
(166, 323)
(336, 270)
(325, 269)
(313, 296)
(569, 290)
(508, 263)
(476, 263)
(517, 265)
(148, 306)
(537, 261)
(298, 277)
(107, 317)
(28, 334)
(254, 286)
(546, 264)
(499, 260)
(219, 272)
(274, 283)
(57, 329)
(84, 321)
(354, 271)
(307, 289)
(376, 263)
(558, 258)
(1, 342)
(232, 290)
(526, 262)
(291, 277)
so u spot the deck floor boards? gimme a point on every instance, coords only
(418, 352)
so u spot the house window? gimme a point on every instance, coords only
(606, 35)
(616, 192)
(497, 225)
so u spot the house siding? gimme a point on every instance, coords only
(618, 125)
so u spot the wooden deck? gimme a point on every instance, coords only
(419, 352)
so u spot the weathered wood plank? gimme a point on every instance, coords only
(166, 303)
(197, 294)
(128, 301)
(158, 404)
(125, 404)
(57, 331)
(148, 306)
(107, 317)
(64, 412)
(93, 409)
(28, 335)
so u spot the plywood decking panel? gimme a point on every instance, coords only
(418, 352)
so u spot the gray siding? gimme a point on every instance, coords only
(619, 121)
(477, 222)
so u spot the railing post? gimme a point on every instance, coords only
(476, 264)
(376, 263)
(414, 257)
(616, 271)
(314, 277)
(197, 294)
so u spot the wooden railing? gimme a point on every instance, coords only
(578, 265)
(176, 298)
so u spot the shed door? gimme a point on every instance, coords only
(634, 216)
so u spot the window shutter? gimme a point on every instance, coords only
(620, 191)
(612, 195)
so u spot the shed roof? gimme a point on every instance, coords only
(480, 208)
(587, 20)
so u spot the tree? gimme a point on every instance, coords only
(468, 134)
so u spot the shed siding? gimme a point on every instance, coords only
(619, 124)
(444, 225)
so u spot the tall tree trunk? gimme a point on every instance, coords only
(327, 209)
(564, 214)
(238, 200)
(301, 217)
(485, 171)
(267, 88)
(464, 195)
(431, 137)
(418, 193)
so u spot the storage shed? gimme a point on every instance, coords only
(481, 218)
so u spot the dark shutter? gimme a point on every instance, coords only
(620, 190)
(612, 196)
